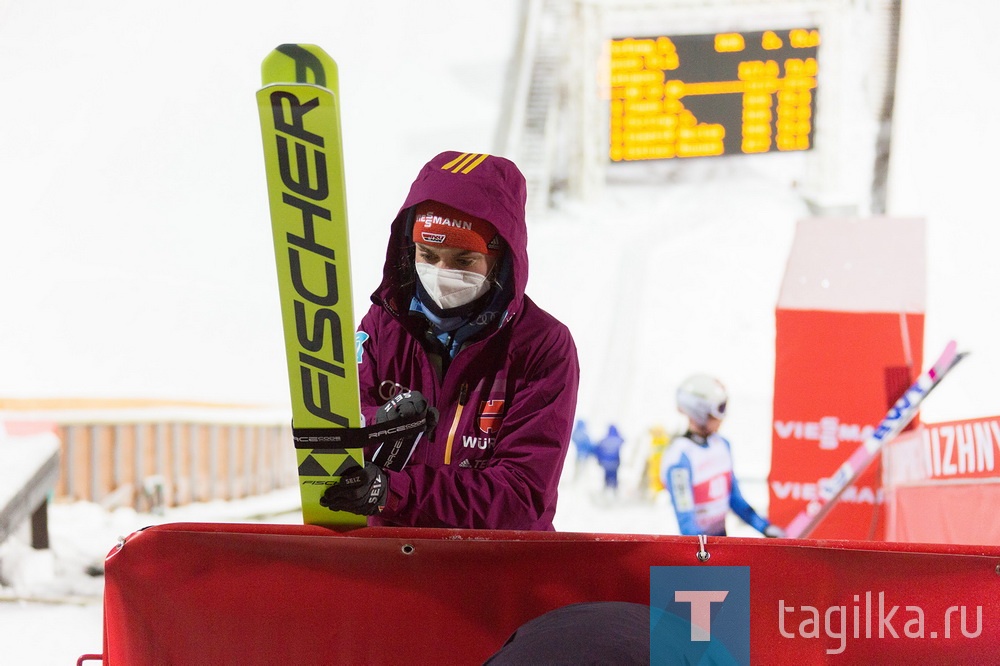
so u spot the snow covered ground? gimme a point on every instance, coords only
(136, 221)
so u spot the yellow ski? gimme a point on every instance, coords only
(300, 124)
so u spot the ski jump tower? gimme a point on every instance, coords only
(560, 120)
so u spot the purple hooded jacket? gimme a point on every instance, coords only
(508, 398)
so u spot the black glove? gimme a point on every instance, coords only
(407, 404)
(361, 491)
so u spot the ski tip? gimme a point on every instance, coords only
(300, 63)
(948, 358)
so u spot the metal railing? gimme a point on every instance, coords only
(528, 135)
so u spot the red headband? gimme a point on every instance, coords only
(437, 224)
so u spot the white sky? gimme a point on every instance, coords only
(136, 257)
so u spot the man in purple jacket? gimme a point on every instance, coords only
(451, 323)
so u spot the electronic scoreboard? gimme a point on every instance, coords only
(718, 94)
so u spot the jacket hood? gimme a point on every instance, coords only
(486, 186)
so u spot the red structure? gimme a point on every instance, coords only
(849, 341)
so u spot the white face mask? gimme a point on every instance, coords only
(450, 288)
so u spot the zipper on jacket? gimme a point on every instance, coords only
(463, 397)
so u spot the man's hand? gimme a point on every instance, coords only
(405, 405)
(361, 491)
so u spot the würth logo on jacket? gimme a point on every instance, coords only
(465, 162)
(490, 416)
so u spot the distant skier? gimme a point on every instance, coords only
(697, 468)
(582, 443)
(608, 452)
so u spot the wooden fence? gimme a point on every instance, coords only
(156, 457)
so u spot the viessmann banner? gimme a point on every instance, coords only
(849, 340)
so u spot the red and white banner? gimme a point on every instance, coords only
(942, 483)
(966, 449)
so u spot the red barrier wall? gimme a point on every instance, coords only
(285, 594)
(849, 341)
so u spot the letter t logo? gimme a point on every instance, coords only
(701, 610)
